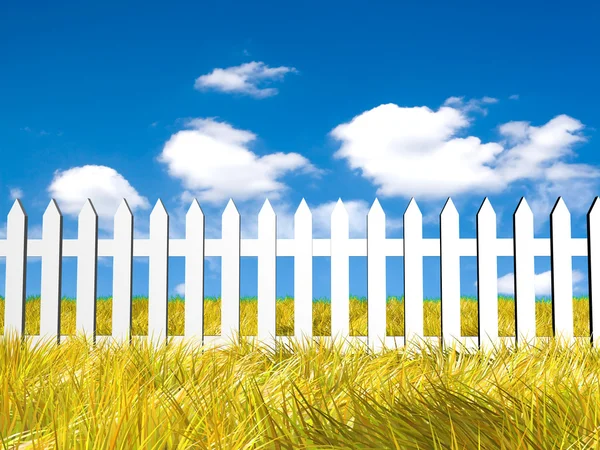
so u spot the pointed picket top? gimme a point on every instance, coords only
(17, 209)
(303, 210)
(595, 208)
(51, 221)
(412, 210)
(123, 219)
(123, 209)
(486, 209)
(230, 209)
(523, 209)
(195, 210)
(52, 210)
(158, 210)
(88, 210)
(376, 222)
(339, 211)
(376, 209)
(449, 209)
(560, 209)
(266, 210)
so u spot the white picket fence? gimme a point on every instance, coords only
(561, 247)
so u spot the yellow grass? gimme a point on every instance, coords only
(178, 396)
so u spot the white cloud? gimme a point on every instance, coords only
(542, 282)
(213, 161)
(514, 97)
(489, 100)
(180, 289)
(472, 105)
(244, 79)
(104, 186)
(415, 151)
(16, 193)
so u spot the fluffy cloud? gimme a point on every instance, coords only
(415, 151)
(16, 193)
(244, 79)
(542, 281)
(213, 161)
(472, 105)
(104, 186)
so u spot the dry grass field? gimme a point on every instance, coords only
(177, 396)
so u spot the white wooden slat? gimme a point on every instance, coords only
(504, 247)
(394, 247)
(430, 247)
(230, 273)
(250, 247)
(376, 277)
(562, 272)
(541, 247)
(413, 273)
(579, 247)
(52, 233)
(16, 271)
(178, 247)
(213, 247)
(194, 272)
(122, 274)
(487, 276)
(141, 247)
(303, 273)
(593, 227)
(70, 247)
(158, 275)
(524, 264)
(450, 274)
(322, 247)
(267, 269)
(286, 247)
(35, 247)
(340, 275)
(468, 246)
(87, 266)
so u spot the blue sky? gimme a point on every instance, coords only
(315, 101)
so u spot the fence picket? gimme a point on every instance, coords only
(524, 273)
(593, 225)
(52, 238)
(450, 274)
(122, 274)
(340, 274)
(230, 273)
(16, 270)
(87, 267)
(376, 277)
(267, 268)
(562, 271)
(413, 273)
(158, 275)
(487, 276)
(303, 273)
(194, 273)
